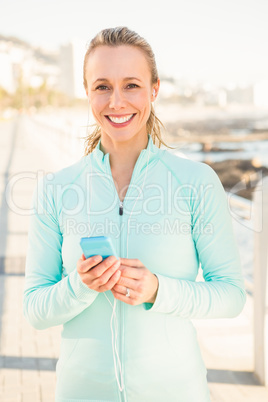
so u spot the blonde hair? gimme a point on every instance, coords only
(116, 37)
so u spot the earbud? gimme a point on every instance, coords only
(153, 92)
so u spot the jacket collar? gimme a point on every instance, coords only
(148, 154)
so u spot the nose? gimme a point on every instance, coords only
(117, 99)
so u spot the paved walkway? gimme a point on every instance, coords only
(27, 356)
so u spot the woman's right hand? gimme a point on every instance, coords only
(97, 275)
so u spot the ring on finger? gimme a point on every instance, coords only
(128, 293)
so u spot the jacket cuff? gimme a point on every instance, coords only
(80, 289)
(162, 296)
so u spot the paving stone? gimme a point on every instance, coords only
(31, 397)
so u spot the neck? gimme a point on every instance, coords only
(123, 154)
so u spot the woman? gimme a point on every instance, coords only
(164, 214)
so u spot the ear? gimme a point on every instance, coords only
(155, 90)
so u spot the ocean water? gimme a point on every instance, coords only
(257, 150)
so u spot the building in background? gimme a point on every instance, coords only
(12, 59)
(6, 77)
(240, 94)
(23, 65)
(71, 58)
(261, 94)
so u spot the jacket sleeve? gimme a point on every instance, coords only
(222, 294)
(48, 299)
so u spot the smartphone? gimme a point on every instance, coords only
(97, 245)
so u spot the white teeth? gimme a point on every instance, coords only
(120, 119)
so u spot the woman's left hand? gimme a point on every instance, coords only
(141, 282)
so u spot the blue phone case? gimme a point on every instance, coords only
(98, 245)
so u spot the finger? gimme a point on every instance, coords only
(104, 265)
(131, 262)
(111, 282)
(128, 283)
(97, 282)
(130, 272)
(124, 298)
(104, 278)
(88, 263)
(123, 289)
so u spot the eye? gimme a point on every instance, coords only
(102, 87)
(132, 86)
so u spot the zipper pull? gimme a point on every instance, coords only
(121, 208)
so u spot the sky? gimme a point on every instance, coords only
(214, 41)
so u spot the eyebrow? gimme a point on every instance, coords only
(125, 79)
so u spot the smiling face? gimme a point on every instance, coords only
(120, 91)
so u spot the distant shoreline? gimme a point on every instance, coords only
(214, 138)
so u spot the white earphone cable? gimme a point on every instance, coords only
(116, 357)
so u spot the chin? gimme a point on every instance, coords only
(121, 137)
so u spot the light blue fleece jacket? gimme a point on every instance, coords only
(180, 220)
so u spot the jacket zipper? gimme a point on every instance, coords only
(122, 395)
(121, 210)
(121, 313)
